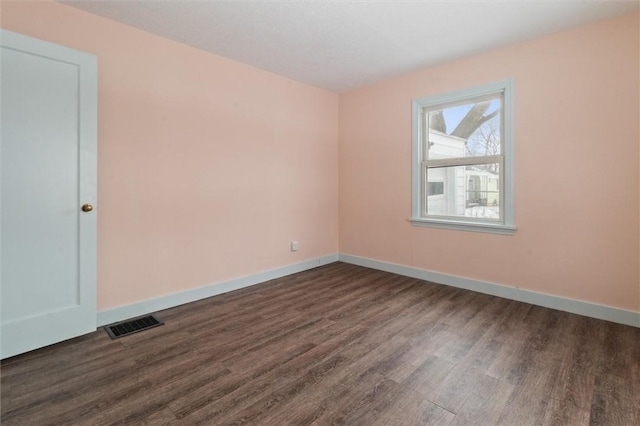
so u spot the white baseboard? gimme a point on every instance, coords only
(579, 307)
(608, 313)
(120, 313)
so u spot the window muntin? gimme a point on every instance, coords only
(463, 159)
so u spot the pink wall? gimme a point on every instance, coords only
(576, 142)
(208, 168)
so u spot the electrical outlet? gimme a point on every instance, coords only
(294, 246)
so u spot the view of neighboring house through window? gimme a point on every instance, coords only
(463, 160)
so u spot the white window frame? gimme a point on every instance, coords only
(419, 216)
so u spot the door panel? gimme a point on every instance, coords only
(48, 172)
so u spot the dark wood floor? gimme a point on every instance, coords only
(338, 344)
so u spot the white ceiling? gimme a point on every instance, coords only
(341, 45)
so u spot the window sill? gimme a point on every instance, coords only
(489, 228)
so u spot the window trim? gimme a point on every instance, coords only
(507, 225)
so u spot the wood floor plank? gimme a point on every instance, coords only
(339, 382)
(614, 401)
(502, 339)
(576, 380)
(530, 401)
(485, 406)
(462, 383)
(429, 376)
(407, 408)
(338, 344)
(362, 404)
(471, 333)
(274, 399)
(267, 378)
(140, 406)
(563, 412)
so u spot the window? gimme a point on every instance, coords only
(436, 188)
(463, 160)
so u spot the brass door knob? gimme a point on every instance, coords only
(87, 208)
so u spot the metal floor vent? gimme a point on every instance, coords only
(134, 325)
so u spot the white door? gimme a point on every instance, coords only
(48, 155)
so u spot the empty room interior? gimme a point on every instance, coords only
(320, 212)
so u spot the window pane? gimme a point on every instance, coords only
(464, 191)
(466, 130)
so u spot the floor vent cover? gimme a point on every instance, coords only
(125, 328)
